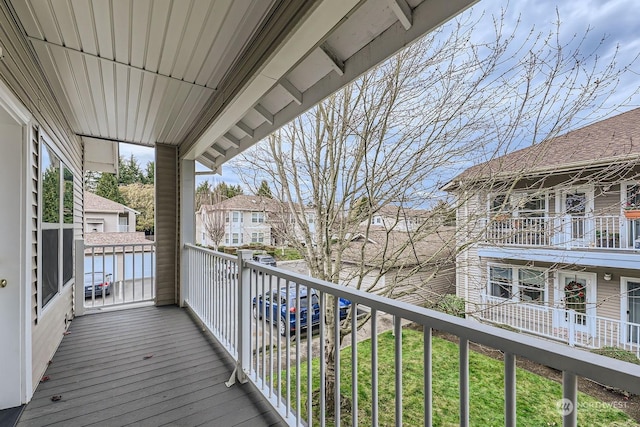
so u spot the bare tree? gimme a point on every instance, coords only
(213, 219)
(397, 134)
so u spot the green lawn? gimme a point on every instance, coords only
(536, 396)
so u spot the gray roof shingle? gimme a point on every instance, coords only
(613, 140)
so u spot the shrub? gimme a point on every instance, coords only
(617, 353)
(451, 304)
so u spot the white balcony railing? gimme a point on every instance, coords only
(568, 326)
(603, 232)
(223, 302)
(114, 275)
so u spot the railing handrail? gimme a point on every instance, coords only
(540, 307)
(603, 369)
(492, 216)
(114, 245)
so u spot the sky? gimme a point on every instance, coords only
(615, 20)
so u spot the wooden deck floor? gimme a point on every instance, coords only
(146, 367)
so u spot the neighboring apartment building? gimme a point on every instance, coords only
(243, 219)
(396, 218)
(102, 215)
(556, 237)
(236, 221)
(415, 269)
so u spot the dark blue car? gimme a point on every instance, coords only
(280, 304)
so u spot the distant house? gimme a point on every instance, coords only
(556, 236)
(397, 218)
(236, 221)
(113, 244)
(401, 265)
(106, 216)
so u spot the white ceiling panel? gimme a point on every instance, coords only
(212, 76)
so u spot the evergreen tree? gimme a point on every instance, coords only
(107, 187)
(232, 190)
(129, 171)
(150, 173)
(203, 194)
(91, 179)
(264, 190)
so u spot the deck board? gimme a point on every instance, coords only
(101, 372)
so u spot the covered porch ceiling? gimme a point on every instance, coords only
(212, 77)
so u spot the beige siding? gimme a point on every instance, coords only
(166, 231)
(24, 77)
(421, 288)
(48, 333)
(470, 275)
(607, 200)
(424, 288)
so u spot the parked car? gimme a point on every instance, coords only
(264, 259)
(283, 304)
(97, 281)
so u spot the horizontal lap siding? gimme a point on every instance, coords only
(470, 281)
(22, 75)
(166, 231)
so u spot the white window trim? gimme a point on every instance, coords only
(515, 285)
(46, 140)
(623, 193)
(624, 302)
(561, 195)
(514, 211)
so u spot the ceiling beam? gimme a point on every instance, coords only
(219, 151)
(245, 128)
(105, 138)
(403, 11)
(235, 142)
(294, 93)
(336, 63)
(426, 17)
(266, 114)
(302, 26)
(111, 61)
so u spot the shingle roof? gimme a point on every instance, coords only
(611, 140)
(95, 203)
(116, 238)
(436, 247)
(395, 211)
(244, 203)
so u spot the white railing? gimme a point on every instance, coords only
(606, 232)
(568, 326)
(110, 276)
(269, 361)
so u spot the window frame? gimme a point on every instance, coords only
(516, 284)
(62, 226)
(511, 205)
(257, 217)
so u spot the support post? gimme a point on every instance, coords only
(187, 222)
(78, 300)
(569, 406)
(244, 315)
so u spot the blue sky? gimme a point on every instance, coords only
(615, 20)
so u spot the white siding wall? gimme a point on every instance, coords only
(470, 281)
(24, 78)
